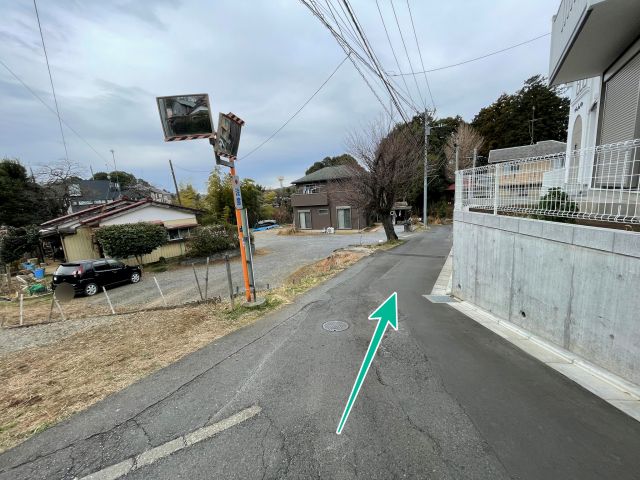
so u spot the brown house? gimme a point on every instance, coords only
(322, 200)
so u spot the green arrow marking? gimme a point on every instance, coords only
(386, 314)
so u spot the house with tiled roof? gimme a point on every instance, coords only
(72, 236)
(324, 199)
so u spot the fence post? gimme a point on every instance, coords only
(206, 280)
(457, 204)
(113, 312)
(21, 308)
(197, 281)
(226, 261)
(496, 189)
(59, 309)
(164, 300)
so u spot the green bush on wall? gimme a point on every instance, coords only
(556, 200)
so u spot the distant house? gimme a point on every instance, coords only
(73, 235)
(540, 149)
(141, 190)
(526, 179)
(88, 193)
(322, 200)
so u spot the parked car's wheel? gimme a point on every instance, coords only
(135, 277)
(91, 289)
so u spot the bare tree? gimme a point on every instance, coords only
(55, 179)
(467, 138)
(59, 173)
(387, 158)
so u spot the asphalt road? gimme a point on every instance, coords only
(280, 256)
(444, 399)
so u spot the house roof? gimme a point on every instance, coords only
(93, 215)
(95, 189)
(145, 202)
(540, 149)
(326, 173)
(83, 213)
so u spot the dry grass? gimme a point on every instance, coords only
(43, 385)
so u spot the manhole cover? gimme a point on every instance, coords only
(335, 326)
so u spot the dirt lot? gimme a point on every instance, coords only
(79, 362)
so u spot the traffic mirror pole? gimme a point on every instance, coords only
(243, 252)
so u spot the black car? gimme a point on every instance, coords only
(89, 276)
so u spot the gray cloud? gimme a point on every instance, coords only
(261, 60)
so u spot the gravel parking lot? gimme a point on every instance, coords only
(280, 255)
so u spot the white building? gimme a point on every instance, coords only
(595, 48)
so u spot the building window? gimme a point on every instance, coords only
(304, 219)
(308, 189)
(344, 217)
(323, 211)
(178, 233)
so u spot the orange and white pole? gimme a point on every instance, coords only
(243, 253)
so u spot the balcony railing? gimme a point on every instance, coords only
(601, 183)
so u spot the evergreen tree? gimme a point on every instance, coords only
(507, 121)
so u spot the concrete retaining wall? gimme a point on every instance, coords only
(576, 286)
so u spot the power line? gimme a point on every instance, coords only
(348, 49)
(420, 54)
(32, 92)
(407, 53)
(474, 59)
(393, 51)
(386, 83)
(53, 90)
(298, 111)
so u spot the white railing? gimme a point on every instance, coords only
(601, 183)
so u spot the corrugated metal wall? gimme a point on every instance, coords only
(79, 246)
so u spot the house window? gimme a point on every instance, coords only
(178, 233)
(308, 189)
(344, 217)
(304, 219)
(323, 211)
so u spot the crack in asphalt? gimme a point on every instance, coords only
(164, 398)
(264, 359)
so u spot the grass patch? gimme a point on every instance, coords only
(44, 385)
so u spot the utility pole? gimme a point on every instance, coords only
(92, 174)
(113, 155)
(457, 156)
(532, 121)
(475, 157)
(427, 131)
(175, 184)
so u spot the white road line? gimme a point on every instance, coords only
(161, 451)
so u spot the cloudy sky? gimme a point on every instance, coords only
(259, 59)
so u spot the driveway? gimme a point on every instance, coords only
(279, 256)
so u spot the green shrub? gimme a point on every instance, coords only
(556, 200)
(134, 239)
(207, 240)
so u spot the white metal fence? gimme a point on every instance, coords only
(601, 183)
